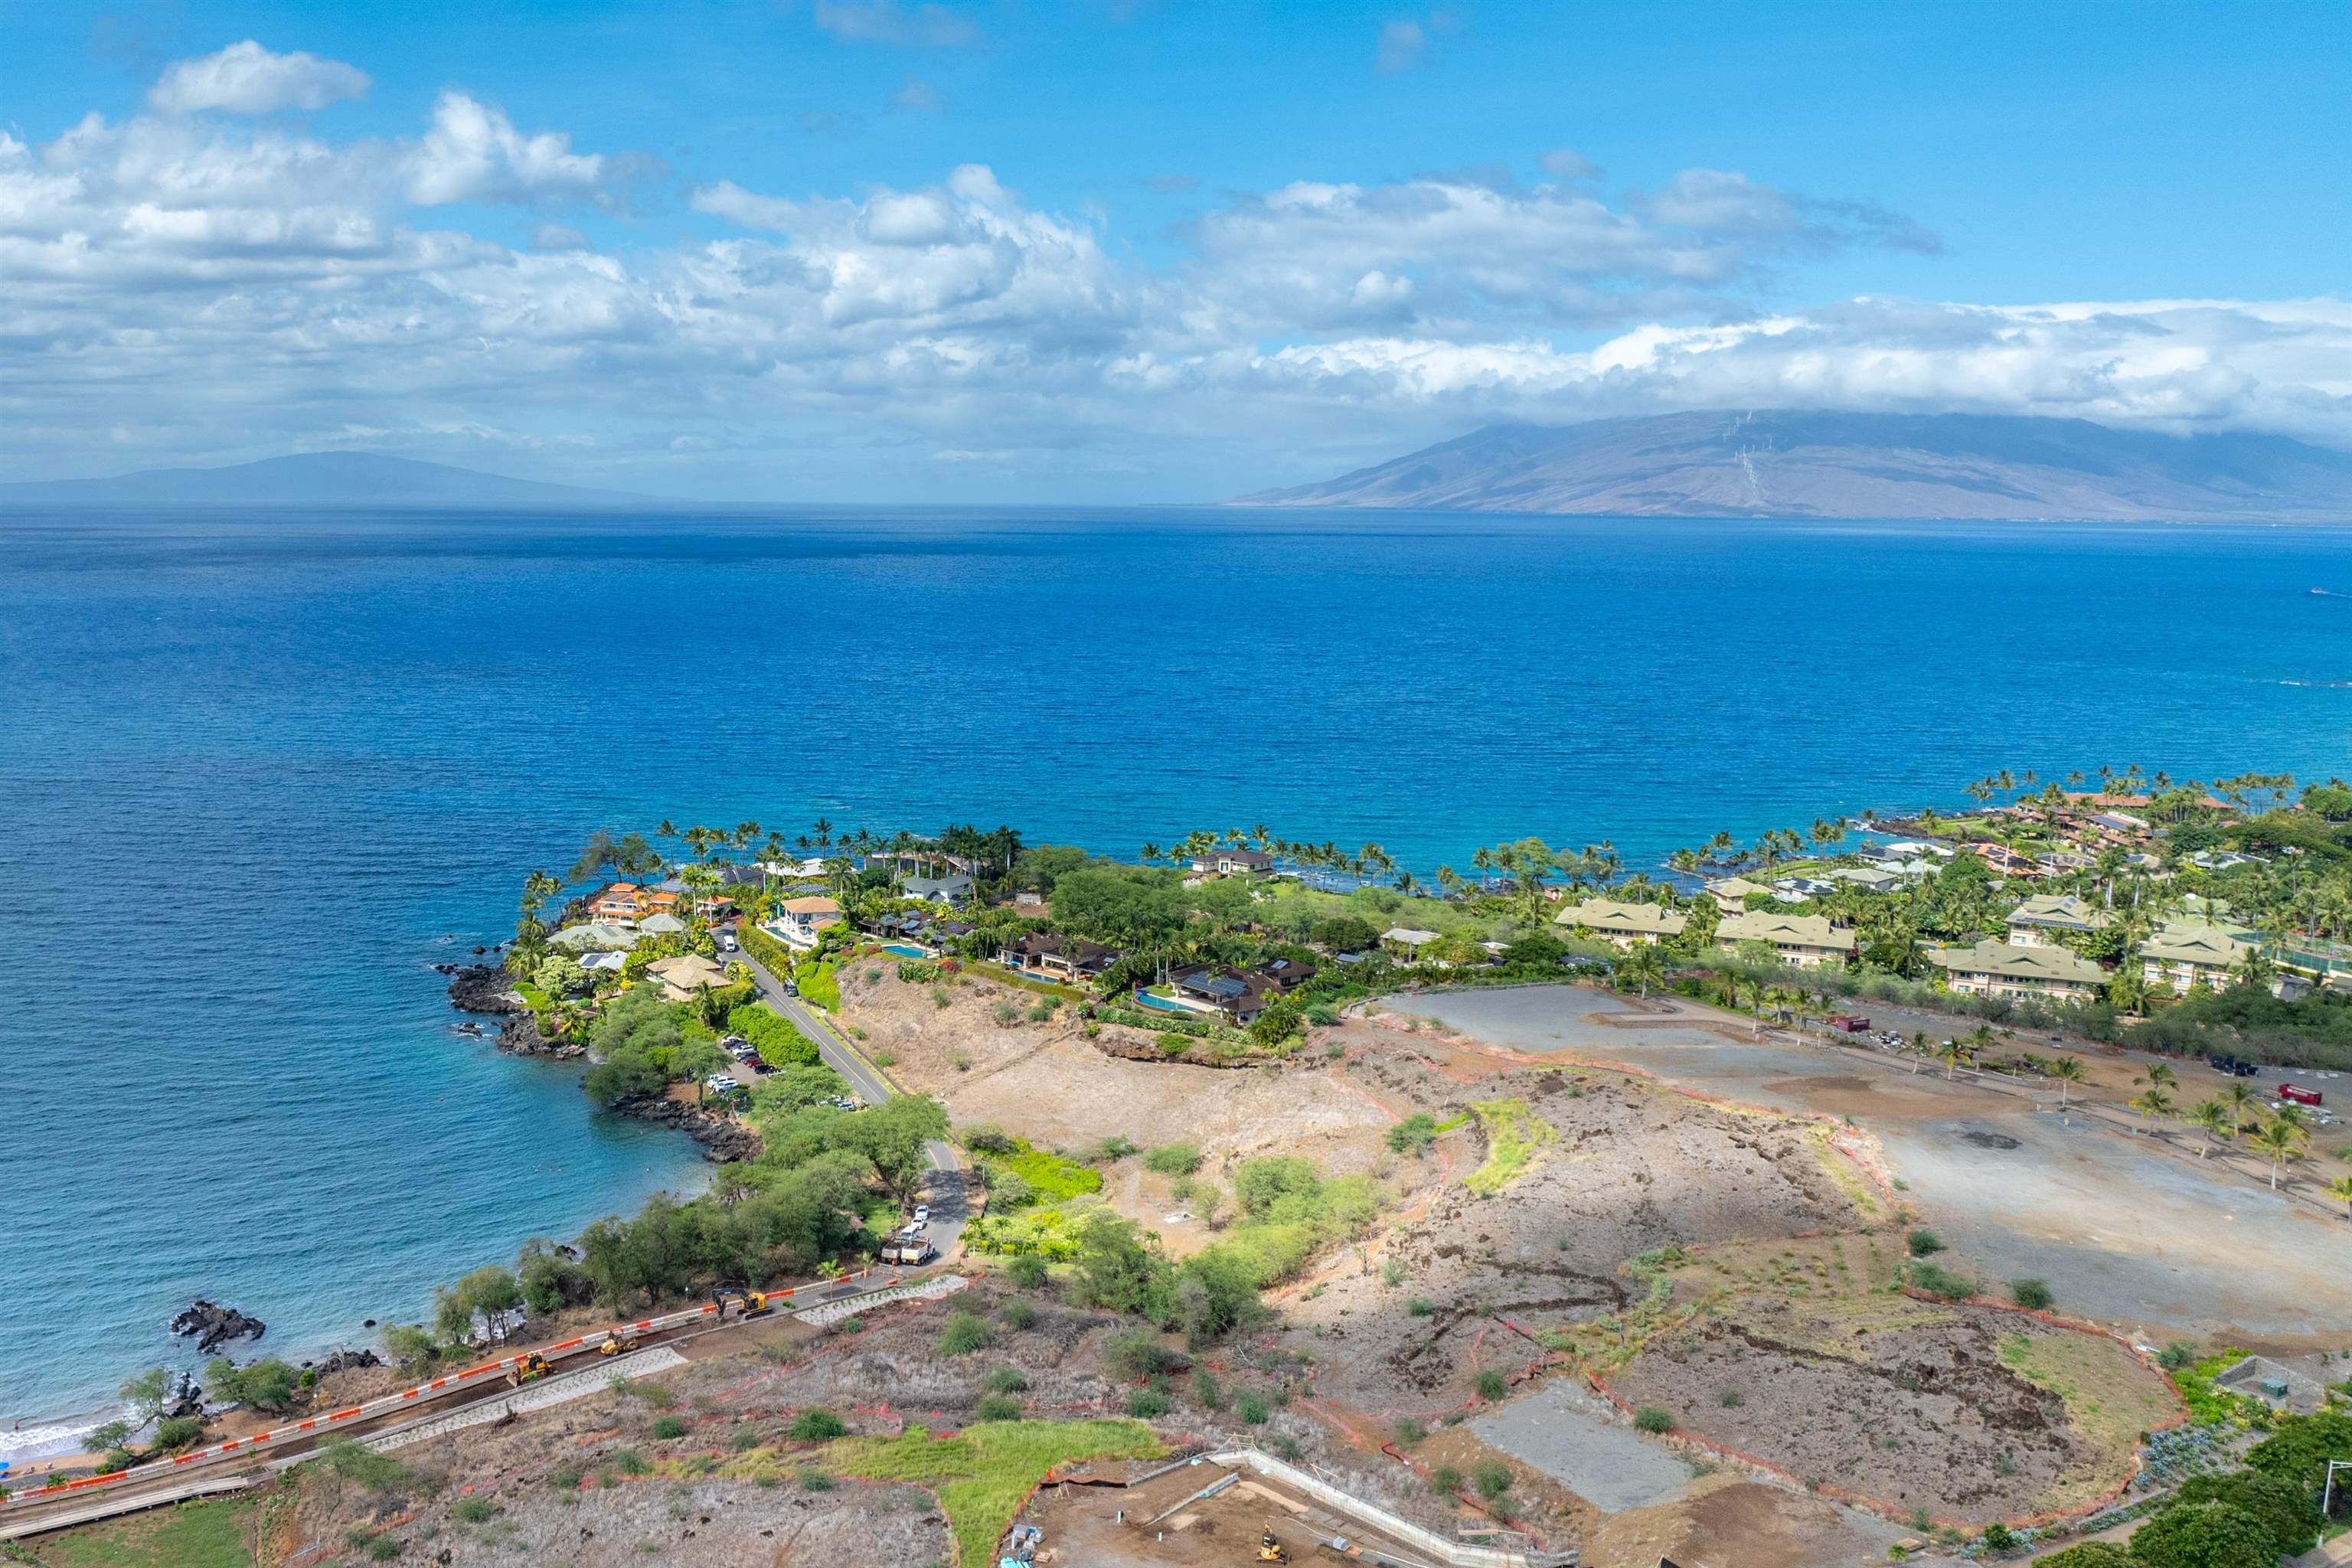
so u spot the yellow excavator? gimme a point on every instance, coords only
(529, 1368)
(746, 1303)
(1269, 1550)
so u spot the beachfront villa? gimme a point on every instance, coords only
(1806, 940)
(1998, 969)
(593, 937)
(1069, 959)
(799, 922)
(2041, 919)
(1626, 925)
(1232, 863)
(2184, 953)
(621, 903)
(1869, 879)
(685, 974)
(661, 925)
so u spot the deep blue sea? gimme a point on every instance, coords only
(258, 772)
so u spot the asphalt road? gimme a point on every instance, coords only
(945, 1190)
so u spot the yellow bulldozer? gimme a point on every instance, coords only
(529, 1368)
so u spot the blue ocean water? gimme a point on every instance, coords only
(256, 774)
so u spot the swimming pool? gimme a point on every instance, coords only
(1162, 1004)
(904, 949)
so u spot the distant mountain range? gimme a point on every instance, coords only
(1798, 464)
(314, 479)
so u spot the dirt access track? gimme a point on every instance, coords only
(2132, 1237)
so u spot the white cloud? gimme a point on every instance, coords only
(245, 79)
(1563, 163)
(1401, 46)
(918, 97)
(923, 26)
(473, 153)
(186, 288)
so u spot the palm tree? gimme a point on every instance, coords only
(2281, 1140)
(1645, 966)
(1149, 853)
(668, 829)
(1950, 1051)
(2153, 1104)
(2212, 1117)
(2340, 1189)
(824, 830)
(2066, 1071)
(2163, 1077)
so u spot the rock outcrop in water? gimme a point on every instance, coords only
(521, 1034)
(722, 1137)
(480, 988)
(212, 1325)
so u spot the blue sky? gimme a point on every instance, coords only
(868, 249)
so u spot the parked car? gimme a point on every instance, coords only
(923, 1211)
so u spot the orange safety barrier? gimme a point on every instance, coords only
(439, 1384)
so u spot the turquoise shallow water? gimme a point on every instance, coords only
(255, 775)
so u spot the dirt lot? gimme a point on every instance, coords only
(1633, 1168)
(2131, 1234)
(1890, 1398)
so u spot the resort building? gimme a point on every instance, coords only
(2043, 918)
(1627, 925)
(2183, 953)
(685, 974)
(1805, 941)
(1731, 893)
(1997, 969)
(799, 921)
(1069, 959)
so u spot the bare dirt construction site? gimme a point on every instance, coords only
(1472, 1282)
(2133, 1231)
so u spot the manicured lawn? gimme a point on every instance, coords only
(981, 1475)
(190, 1535)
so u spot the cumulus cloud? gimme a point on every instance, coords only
(245, 79)
(923, 26)
(182, 287)
(473, 154)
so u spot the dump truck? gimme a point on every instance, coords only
(908, 1249)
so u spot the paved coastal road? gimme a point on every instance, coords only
(946, 1189)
